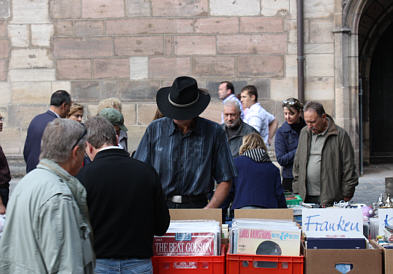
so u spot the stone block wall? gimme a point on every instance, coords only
(130, 48)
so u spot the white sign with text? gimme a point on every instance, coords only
(332, 222)
(385, 216)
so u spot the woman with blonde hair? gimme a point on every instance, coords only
(76, 112)
(111, 102)
(258, 183)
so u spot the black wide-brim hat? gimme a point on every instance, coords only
(183, 100)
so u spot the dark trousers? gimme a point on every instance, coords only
(287, 184)
(4, 195)
(312, 199)
(193, 204)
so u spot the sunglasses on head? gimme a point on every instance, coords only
(80, 138)
(292, 102)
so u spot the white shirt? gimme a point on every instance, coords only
(57, 115)
(109, 147)
(232, 97)
(257, 117)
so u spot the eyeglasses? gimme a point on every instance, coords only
(80, 138)
(292, 102)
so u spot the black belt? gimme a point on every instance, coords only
(185, 199)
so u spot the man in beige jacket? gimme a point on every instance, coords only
(47, 229)
(324, 167)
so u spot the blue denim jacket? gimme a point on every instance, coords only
(286, 142)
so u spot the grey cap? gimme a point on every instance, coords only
(113, 116)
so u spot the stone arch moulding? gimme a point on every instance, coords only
(346, 70)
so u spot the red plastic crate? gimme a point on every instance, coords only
(266, 264)
(190, 264)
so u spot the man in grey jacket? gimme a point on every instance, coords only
(234, 126)
(47, 228)
(324, 167)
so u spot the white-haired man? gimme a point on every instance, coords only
(234, 126)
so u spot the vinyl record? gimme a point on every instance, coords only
(268, 248)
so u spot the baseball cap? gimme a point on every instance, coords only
(114, 117)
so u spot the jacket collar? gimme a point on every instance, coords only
(287, 127)
(111, 151)
(53, 114)
(332, 128)
(77, 189)
(238, 130)
(257, 154)
(55, 168)
(195, 127)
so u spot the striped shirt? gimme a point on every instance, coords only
(187, 164)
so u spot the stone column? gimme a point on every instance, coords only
(346, 82)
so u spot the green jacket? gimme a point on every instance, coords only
(338, 171)
(47, 228)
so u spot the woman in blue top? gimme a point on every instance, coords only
(287, 137)
(257, 184)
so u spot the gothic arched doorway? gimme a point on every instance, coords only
(375, 49)
(381, 99)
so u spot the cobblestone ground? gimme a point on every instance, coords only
(371, 183)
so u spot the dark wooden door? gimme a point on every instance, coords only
(381, 100)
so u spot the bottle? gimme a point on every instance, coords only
(388, 202)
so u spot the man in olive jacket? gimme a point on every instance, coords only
(324, 167)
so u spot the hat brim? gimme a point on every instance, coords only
(181, 113)
(123, 128)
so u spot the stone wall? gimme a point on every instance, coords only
(130, 48)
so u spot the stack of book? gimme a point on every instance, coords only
(189, 238)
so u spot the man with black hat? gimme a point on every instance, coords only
(187, 151)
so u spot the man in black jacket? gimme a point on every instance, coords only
(126, 203)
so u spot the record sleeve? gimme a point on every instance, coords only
(186, 244)
(267, 242)
(265, 237)
(189, 238)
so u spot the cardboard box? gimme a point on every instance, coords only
(196, 214)
(274, 213)
(324, 261)
(387, 258)
(336, 243)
